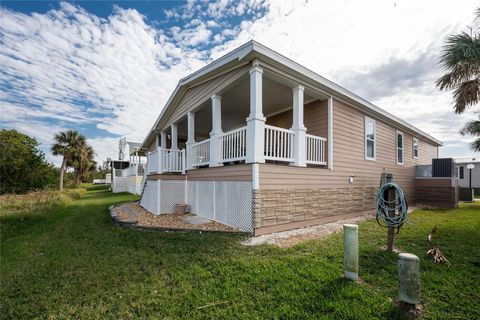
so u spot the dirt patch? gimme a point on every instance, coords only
(293, 237)
(132, 214)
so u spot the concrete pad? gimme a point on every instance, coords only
(130, 212)
(196, 220)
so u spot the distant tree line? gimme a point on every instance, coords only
(23, 166)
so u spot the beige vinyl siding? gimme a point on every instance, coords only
(349, 153)
(242, 172)
(198, 94)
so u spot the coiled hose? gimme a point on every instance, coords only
(398, 206)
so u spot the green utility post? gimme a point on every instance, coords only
(409, 278)
(350, 251)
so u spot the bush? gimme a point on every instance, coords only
(23, 167)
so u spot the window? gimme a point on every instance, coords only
(461, 172)
(399, 147)
(370, 137)
(415, 148)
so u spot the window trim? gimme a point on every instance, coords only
(397, 148)
(413, 147)
(365, 139)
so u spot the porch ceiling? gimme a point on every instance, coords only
(277, 97)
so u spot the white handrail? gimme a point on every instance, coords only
(201, 153)
(166, 160)
(234, 145)
(152, 162)
(278, 143)
(171, 160)
(315, 149)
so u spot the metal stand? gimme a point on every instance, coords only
(387, 178)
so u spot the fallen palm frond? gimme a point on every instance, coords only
(435, 252)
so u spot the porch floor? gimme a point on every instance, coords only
(131, 214)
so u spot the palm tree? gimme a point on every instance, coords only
(69, 144)
(473, 128)
(461, 59)
(83, 163)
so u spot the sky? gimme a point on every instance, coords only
(107, 68)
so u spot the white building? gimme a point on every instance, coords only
(462, 173)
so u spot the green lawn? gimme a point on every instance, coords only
(71, 262)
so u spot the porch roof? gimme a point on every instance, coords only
(254, 50)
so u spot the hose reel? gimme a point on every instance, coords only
(391, 211)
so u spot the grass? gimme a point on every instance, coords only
(38, 200)
(71, 262)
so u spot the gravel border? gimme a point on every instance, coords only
(144, 220)
(293, 237)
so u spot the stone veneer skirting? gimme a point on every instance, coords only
(274, 207)
(277, 207)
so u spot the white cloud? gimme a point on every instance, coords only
(125, 69)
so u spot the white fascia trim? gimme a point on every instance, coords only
(253, 46)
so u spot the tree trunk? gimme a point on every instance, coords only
(78, 177)
(62, 171)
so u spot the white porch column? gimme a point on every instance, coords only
(256, 120)
(174, 137)
(330, 134)
(163, 140)
(190, 140)
(215, 143)
(157, 141)
(299, 152)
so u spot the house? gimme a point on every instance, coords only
(259, 142)
(462, 173)
(127, 175)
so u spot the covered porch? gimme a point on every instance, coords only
(257, 118)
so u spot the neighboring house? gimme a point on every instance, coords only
(259, 142)
(462, 173)
(127, 176)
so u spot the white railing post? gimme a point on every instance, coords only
(163, 139)
(157, 142)
(299, 128)
(174, 137)
(215, 143)
(183, 161)
(159, 160)
(190, 140)
(256, 120)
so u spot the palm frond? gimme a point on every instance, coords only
(466, 94)
(473, 128)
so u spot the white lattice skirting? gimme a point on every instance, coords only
(228, 202)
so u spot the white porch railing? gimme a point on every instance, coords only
(278, 143)
(315, 149)
(172, 160)
(152, 162)
(166, 160)
(234, 145)
(135, 170)
(201, 153)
